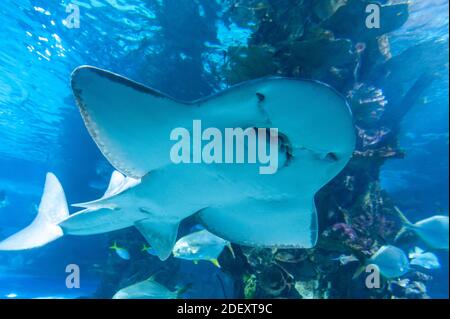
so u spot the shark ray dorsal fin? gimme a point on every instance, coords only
(115, 182)
(160, 235)
(53, 205)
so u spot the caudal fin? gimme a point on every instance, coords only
(402, 217)
(405, 222)
(44, 228)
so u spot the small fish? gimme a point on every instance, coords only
(391, 261)
(424, 259)
(345, 259)
(200, 245)
(121, 252)
(432, 230)
(149, 250)
(148, 289)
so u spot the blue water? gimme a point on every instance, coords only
(173, 51)
(419, 182)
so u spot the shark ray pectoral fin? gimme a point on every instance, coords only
(44, 228)
(259, 223)
(160, 235)
(115, 124)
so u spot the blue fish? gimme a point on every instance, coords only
(121, 252)
(432, 230)
(424, 259)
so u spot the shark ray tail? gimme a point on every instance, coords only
(44, 228)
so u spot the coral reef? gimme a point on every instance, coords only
(327, 40)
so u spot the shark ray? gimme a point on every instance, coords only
(132, 124)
